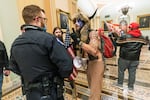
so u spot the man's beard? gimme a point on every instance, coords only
(60, 38)
(43, 26)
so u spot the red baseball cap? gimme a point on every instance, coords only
(134, 30)
(134, 25)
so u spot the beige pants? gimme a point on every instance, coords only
(95, 73)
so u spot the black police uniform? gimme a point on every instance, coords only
(3, 63)
(3, 57)
(38, 58)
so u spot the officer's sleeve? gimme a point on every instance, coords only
(6, 61)
(4, 55)
(13, 65)
(60, 57)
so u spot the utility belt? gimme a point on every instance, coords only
(48, 86)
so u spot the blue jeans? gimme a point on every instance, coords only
(131, 66)
(1, 82)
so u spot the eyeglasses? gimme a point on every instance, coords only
(45, 19)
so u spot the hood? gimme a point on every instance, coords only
(135, 33)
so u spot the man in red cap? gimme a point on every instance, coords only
(130, 49)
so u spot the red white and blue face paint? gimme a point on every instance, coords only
(79, 22)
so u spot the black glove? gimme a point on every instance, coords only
(75, 38)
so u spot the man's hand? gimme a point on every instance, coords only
(6, 72)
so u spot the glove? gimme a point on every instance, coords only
(75, 38)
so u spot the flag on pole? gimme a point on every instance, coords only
(113, 27)
(69, 48)
(74, 74)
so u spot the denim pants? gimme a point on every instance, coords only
(1, 82)
(131, 66)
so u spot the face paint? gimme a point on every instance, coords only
(80, 23)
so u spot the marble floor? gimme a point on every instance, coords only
(109, 92)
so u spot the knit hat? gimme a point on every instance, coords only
(134, 25)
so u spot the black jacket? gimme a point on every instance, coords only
(3, 57)
(36, 53)
(130, 47)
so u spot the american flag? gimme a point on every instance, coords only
(69, 48)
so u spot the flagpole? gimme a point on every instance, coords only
(71, 80)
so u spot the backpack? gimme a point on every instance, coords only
(107, 46)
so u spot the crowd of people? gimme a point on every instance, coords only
(42, 61)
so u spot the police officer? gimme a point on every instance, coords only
(39, 59)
